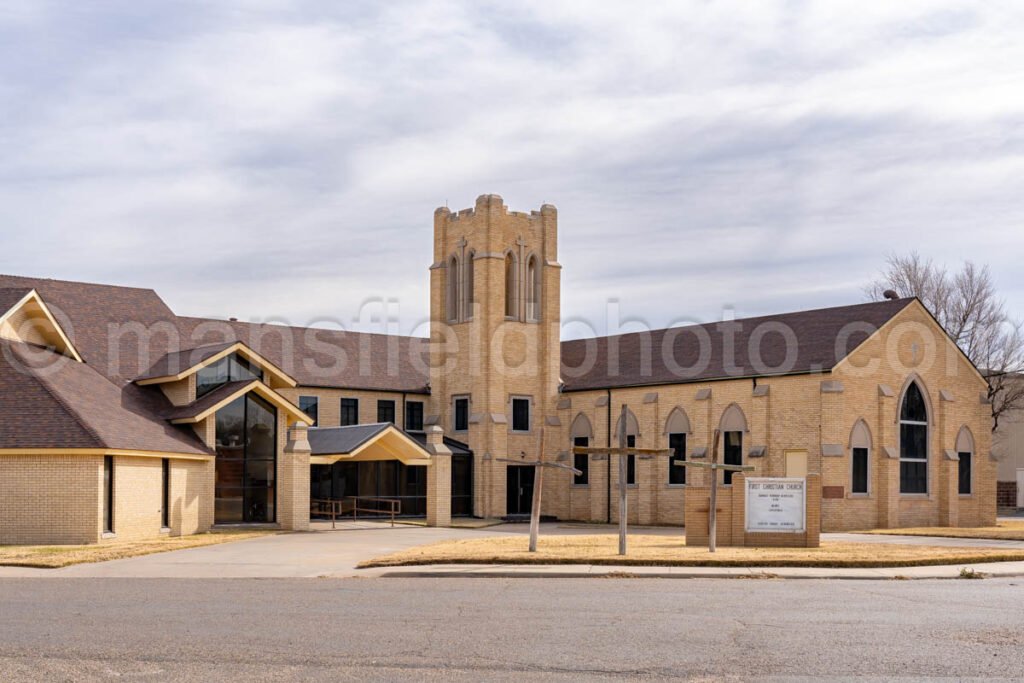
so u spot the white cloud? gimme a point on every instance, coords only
(283, 158)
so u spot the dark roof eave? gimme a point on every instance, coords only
(699, 380)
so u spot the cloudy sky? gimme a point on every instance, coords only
(282, 160)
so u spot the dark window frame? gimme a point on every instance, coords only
(460, 414)
(387, 407)
(857, 472)
(581, 461)
(305, 403)
(414, 423)
(348, 414)
(165, 493)
(732, 454)
(677, 473)
(518, 404)
(631, 461)
(965, 474)
(914, 447)
(108, 494)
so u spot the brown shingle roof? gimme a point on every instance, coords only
(50, 401)
(675, 355)
(9, 296)
(205, 402)
(105, 323)
(179, 361)
(325, 358)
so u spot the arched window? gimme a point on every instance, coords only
(913, 441)
(860, 455)
(511, 286)
(965, 453)
(468, 286)
(582, 432)
(452, 302)
(532, 290)
(733, 425)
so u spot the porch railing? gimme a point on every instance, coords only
(335, 507)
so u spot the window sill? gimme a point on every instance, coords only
(520, 432)
(165, 530)
(966, 495)
(860, 496)
(915, 496)
(675, 486)
(581, 486)
(108, 534)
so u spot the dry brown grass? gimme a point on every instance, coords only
(55, 556)
(670, 552)
(1004, 531)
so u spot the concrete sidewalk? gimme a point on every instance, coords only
(995, 569)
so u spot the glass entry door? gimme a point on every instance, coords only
(520, 490)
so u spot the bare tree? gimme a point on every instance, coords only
(966, 305)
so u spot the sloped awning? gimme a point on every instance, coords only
(365, 443)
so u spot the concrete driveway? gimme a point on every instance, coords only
(335, 553)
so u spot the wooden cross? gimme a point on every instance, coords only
(622, 451)
(538, 485)
(712, 503)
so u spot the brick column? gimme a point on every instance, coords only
(949, 488)
(813, 510)
(293, 487)
(439, 479)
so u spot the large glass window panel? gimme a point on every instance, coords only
(914, 476)
(246, 478)
(914, 408)
(261, 430)
(231, 368)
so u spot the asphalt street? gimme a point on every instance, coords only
(509, 629)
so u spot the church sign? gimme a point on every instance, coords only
(776, 505)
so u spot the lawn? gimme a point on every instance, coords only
(55, 556)
(670, 552)
(1004, 531)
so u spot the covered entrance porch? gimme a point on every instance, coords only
(378, 470)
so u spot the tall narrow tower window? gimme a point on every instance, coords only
(532, 290)
(511, 290)
(453, 290)
(470, 259)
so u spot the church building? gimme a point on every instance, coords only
(121, 420)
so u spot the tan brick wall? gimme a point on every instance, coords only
(330, 403)
(798, 413)
(50, 499)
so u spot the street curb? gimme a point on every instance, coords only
(753, 573)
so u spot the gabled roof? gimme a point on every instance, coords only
(208, 404)
(50, 401)
(327, 358)
(26, 303)
(180, 364)
(456, 447)
(380, 441)
(714, 351)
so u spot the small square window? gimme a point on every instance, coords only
(520, 415)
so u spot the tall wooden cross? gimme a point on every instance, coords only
(538, 485)
(714, 466)
(622, 451)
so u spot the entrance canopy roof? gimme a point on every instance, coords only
(363, 443)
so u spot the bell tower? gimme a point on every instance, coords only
(495, 325)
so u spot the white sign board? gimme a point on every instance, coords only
(776, 505)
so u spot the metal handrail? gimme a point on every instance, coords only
(339, 507)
